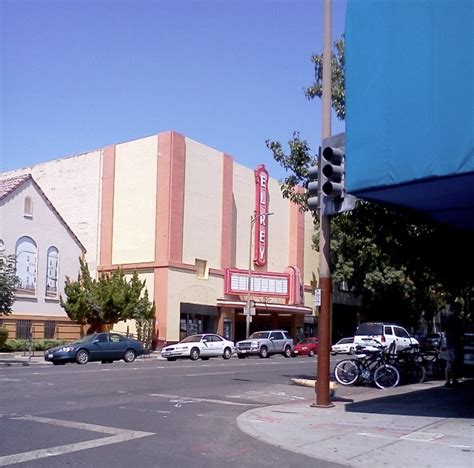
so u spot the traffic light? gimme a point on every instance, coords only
(313, 188)
(333, 172)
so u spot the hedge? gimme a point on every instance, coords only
(24, 345)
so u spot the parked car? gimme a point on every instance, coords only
(204, 346)
(266, 343)
(433, 340)
(370, 333)
(105, 347)
(306, 347)
(469, 352)
(343, 346)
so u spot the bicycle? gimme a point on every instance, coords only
(409, 363)
(370, 365)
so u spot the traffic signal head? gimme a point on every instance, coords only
(332, 170)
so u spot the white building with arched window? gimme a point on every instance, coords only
(46, 250)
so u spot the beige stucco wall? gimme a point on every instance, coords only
(73, 186)
(202, 204)
(135, 201)
(148, 277)
(46, 230)
(184, 286)
(244, 198)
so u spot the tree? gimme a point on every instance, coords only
(8, 281)
(393, 269)
(109, 299)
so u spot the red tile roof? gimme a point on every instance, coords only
(8, 185)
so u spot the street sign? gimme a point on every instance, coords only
(317, 297)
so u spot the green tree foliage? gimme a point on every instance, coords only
(105, 301)
(395, 261)
(8, 281)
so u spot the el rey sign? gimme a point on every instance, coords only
(261, 208)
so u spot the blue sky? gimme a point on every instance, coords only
(77, 75)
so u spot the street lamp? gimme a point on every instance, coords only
(253, 218)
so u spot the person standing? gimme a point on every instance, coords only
(454, 334)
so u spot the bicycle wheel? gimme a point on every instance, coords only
(416, 373)
(386, 376)
(346, 372)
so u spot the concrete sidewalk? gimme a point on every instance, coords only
(422, 425)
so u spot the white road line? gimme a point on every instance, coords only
(413, 438)
(206, 400)
(121, 435)
(143, 410)
(210, 373)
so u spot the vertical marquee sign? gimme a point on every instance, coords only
(261, 207)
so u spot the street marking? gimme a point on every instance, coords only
(143, 410)
(209, 373)
(174, 398)
(412, 437)
(120, 435)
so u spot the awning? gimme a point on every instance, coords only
(266, 307)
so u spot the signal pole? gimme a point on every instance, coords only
(324, 317)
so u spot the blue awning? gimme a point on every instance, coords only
(410, 105)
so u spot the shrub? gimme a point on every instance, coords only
(12, 346)
(3, 336)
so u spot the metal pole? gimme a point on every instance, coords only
(324, 318)
(247, 312)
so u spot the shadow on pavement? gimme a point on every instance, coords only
(435, 402)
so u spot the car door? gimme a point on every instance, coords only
(100, 348)
(206, 345)
(118, 345)
(217, 345)
(278, 341)
(402, 338)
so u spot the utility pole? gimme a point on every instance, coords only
(324, 317)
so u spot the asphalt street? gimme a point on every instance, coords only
(149, 413)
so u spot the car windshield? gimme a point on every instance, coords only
(257, 335)
(191, 339)
(346, 341)
(85, 339)
(369, 329)
(307, 341)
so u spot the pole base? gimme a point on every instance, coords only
(329, 405)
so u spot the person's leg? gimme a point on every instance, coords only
(449, 368)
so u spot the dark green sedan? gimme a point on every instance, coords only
(105, 347)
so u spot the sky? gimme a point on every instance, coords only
(78, 75)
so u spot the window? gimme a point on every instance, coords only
(388, 331)
(276, 336)
(52, 272)
(23, 329)
(28, 208)
(202, 271)
(102, 338)
(26, 260)
(117, 338)
(49, 329)
(401, 332)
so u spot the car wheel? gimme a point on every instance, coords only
(171, 359)
(311, 352)
(263, 352)
(241, 356)
(129, 355)
(58, 363)
(287, 352)
(227, 353)
(194, 355)
(82, 356)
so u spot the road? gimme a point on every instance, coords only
(149, 414)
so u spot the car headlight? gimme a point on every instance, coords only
(66, 349)
(254, 345)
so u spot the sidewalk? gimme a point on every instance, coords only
(422, 425)
(22, 359)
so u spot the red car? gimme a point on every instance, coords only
(308, 347)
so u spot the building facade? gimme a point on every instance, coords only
(192, 223)
(47, 252)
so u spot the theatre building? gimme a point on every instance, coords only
(197, 226)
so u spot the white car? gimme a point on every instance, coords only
(202, 346)
(343, 346)
(376, 333)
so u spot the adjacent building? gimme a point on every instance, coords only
(196, 226)
(47, 251)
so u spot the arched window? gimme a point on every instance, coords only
(28, 208)
(26, 261)
(52, 272)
